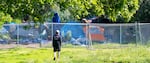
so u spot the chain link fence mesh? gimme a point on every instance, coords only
(75, 34)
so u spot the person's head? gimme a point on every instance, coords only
(102, 16)
(56, 14)
(84, 20)
(57, 32)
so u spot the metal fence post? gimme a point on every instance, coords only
(120, 34)
(136, 33)
(17, 34)
(40, 36)
(86, 32)
(140, 34)
(89, 37)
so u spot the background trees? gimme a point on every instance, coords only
(42, 10)
(143, 14)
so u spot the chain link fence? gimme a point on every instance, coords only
(75, 34)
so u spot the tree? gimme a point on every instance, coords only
(40, 10)
(143, 14)
(35, 10)
(109, 8)
(4, 18)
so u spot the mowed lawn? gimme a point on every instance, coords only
(76, 55)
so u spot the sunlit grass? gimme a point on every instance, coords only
(76, 55)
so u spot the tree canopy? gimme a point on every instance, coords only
(41, 10)
(143, 14)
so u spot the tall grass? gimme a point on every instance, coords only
(139, 54)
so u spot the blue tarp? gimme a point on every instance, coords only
(76, 30)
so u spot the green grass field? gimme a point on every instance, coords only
(76, 55)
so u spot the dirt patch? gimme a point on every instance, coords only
(35, 45)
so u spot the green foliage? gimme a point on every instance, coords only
(18, 21)
(4, 36)
(143, 14)
(110, 8)
(27, 27)
(42, 10)
(4, 18)
(21, 8)
(68, 35)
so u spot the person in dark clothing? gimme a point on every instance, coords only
(56, 44)
(101, 19)
(56, 18)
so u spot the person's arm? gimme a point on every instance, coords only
(53, 41)
(60, 41)
(86, 21)
(95, 18)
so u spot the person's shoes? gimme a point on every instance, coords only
(54, 58)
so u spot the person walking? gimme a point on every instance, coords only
(56, 44)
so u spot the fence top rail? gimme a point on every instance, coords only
(92, 24)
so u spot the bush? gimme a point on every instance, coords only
(68, 35)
